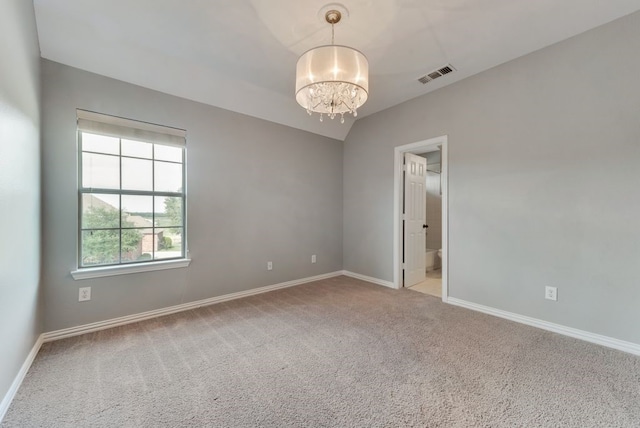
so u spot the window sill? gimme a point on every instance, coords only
(97, 272)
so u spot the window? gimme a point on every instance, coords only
(131, 192)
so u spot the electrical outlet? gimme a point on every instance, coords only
(269, 265)
(551, 293)
(313, 258)
(84, 294)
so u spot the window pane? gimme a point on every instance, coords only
(134, 245)
(168, 214)
(137, 149)
(100, 247)
(100, 143)
(168, 177)
(168, 153)
(136, 174)
(100, 211)
(169, 243)
(137, 220)
(100, 171)
(137, 206)
(168, 211)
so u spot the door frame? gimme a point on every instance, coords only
(432, 144)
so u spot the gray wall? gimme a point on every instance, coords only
(544, 166)
(433, 200)
(19, 187)
(257, 192)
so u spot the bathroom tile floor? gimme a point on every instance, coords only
(431, 285)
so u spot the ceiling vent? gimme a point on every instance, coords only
(436, 73)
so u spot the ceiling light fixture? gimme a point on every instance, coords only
(332, 79)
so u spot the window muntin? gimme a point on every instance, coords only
(131, 200)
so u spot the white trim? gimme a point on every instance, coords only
(13, 389)
(368, 279)
(444, 183)
(97, 272)
(115, 322)
(431, 144)
(609, 342)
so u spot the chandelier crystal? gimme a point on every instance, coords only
(332, 79)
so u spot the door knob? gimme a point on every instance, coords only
(424, 226)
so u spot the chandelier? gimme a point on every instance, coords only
(332, 79)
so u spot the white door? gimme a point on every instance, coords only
(415, 219)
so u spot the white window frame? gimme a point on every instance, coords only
(118, 127)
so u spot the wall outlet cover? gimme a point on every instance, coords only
(551, 293)
(84, 294)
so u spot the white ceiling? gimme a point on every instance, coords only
(241, 54)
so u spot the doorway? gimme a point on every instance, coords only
(402, 253)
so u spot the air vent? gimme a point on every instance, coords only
(445, 70)
(436, 73)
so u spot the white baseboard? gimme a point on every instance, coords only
(369, 279)
(609, 342)
(115, 322)
(13, 389)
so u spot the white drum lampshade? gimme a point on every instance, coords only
(332, 79)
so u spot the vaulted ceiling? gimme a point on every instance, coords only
(241, 54)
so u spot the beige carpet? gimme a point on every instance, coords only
(334, 353)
